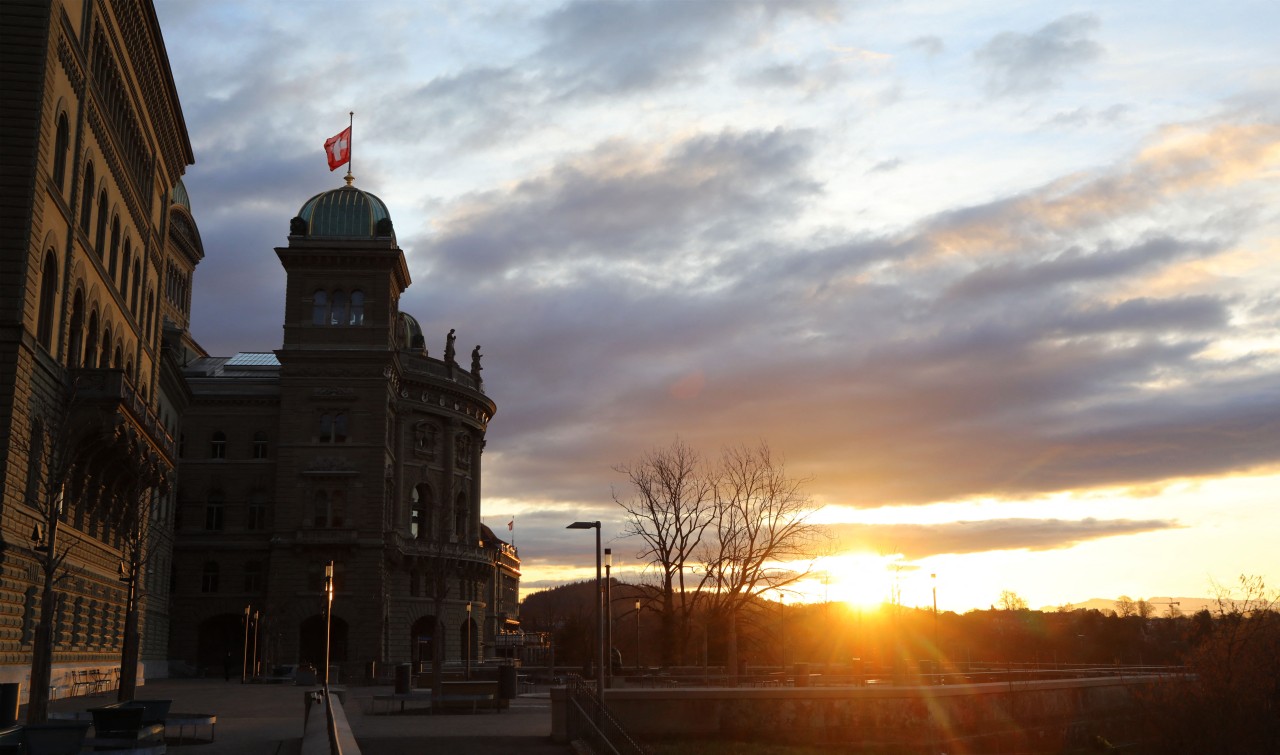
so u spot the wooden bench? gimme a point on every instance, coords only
(452, 701)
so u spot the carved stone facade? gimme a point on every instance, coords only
(97, 250)
(370, 456)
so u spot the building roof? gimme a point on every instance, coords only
(345, 212)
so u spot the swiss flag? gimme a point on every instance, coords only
(338, 148)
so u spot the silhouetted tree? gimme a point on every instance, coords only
(669, 511)
(760, 529)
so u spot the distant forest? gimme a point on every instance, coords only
(777, 634)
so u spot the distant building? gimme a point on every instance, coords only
(348, 444)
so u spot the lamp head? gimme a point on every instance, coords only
(583, 526)
(608, 556)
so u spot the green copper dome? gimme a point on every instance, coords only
(346, 212)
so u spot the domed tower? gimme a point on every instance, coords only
(375, 461)
(345, 273)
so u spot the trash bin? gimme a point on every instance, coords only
(802, 675)
(507, 687)
(404, 678)
(8, 704)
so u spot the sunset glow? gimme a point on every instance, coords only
(998, 283)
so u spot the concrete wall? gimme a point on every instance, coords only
(1035, 715)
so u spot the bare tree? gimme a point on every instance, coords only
(1012, 601)
(50, 457)
(669, 512)
(1125, 606)
(760, 531)
(134, 519)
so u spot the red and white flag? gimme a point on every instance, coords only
(338, 149)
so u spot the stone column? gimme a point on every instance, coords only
(450, 472)
(477, 448)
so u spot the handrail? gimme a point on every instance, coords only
(589, 716)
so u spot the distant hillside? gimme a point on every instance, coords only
(1187, 606)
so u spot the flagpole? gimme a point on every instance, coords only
(351, 147)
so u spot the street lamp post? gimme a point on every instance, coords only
(637, 635)
(328, 620)
(244, 655)
(608, 624)
(253, 656)
(599, 607)
(466, 651)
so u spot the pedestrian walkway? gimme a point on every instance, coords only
(266, 719)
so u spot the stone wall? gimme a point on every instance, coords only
(1035, 716)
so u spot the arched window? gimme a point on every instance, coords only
(101, 237)
(124, 271)
(260, 444)
(86, 199)
(209, 577)
(75, 336)
(338, 309)
(91, 341)
(320, 308)
(117, 357)
(61, 145)
(48, 300)
(460, 517)
(357, 308)
(113, 257)
(151, 308)
(137, 288)
(218, 445)
(420, 524)
(104, 353)
(417, 529)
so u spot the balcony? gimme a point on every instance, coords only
(111, 392)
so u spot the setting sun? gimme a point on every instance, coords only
(859, 579)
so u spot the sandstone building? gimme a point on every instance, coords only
(136, 464)
(97, 251)
(350, 445)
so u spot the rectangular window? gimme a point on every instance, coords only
(253, 576)
(209, 577)
(256, 516)
(213, 511)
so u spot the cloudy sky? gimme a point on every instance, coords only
(1003, 285)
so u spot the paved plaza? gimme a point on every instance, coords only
(266, 719)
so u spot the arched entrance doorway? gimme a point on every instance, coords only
(311, 641)
(422, 642)
(220, 645)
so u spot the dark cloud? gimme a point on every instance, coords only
(889, 374)
(600, 48)
(628, 202)
(1020, 64)
(1074, 266)
(917, 541)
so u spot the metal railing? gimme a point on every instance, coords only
(589, 719)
